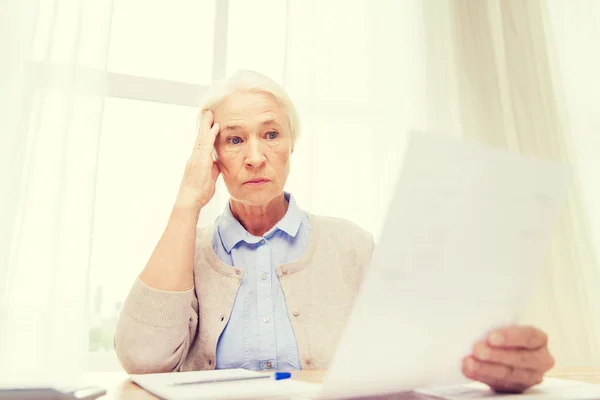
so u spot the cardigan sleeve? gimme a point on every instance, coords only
(155, 329)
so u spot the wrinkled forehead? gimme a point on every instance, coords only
(250, 108)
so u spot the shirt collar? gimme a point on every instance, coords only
(232, 232)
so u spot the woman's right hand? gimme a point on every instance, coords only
(201, 170)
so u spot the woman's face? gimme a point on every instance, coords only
(253, 146)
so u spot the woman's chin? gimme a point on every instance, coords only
(255, 196)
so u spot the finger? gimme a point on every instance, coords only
(517, 336)
(207, 120)
(215, 171)
(500, 377)
(206, 142)
(214, 131)
(538, 359)
(204, 126)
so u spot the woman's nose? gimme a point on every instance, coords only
(255, 156)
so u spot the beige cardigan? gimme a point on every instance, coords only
(162, 331)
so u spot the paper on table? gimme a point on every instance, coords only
(467, 228)
(550, 389)
(161, 386)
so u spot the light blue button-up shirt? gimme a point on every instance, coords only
(259, 333)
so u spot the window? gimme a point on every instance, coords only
(162, 57)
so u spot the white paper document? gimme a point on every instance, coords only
(550, 389)
(466, 231)
(169, 386)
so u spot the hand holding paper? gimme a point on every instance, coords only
(510, 359)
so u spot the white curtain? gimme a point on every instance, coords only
(53, 83)
(575, 62)
(511, 94)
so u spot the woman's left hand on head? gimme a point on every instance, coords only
(510, 359)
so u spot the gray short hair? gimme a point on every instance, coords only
(252, 81)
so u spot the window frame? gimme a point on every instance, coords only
(174, 92)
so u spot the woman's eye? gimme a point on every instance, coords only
(273, 135)
(235, 140)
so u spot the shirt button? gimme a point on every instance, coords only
(265, 319)
(263, 276)
(262, 241)
(308, 360)
(269, 365)
(296, 313)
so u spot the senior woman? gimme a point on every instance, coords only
(268, 285)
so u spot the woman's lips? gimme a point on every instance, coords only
(256, 182)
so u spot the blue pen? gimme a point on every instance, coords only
(282, 375)
(277, 376)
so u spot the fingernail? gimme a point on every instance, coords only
(483, 353)
(496, 339)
